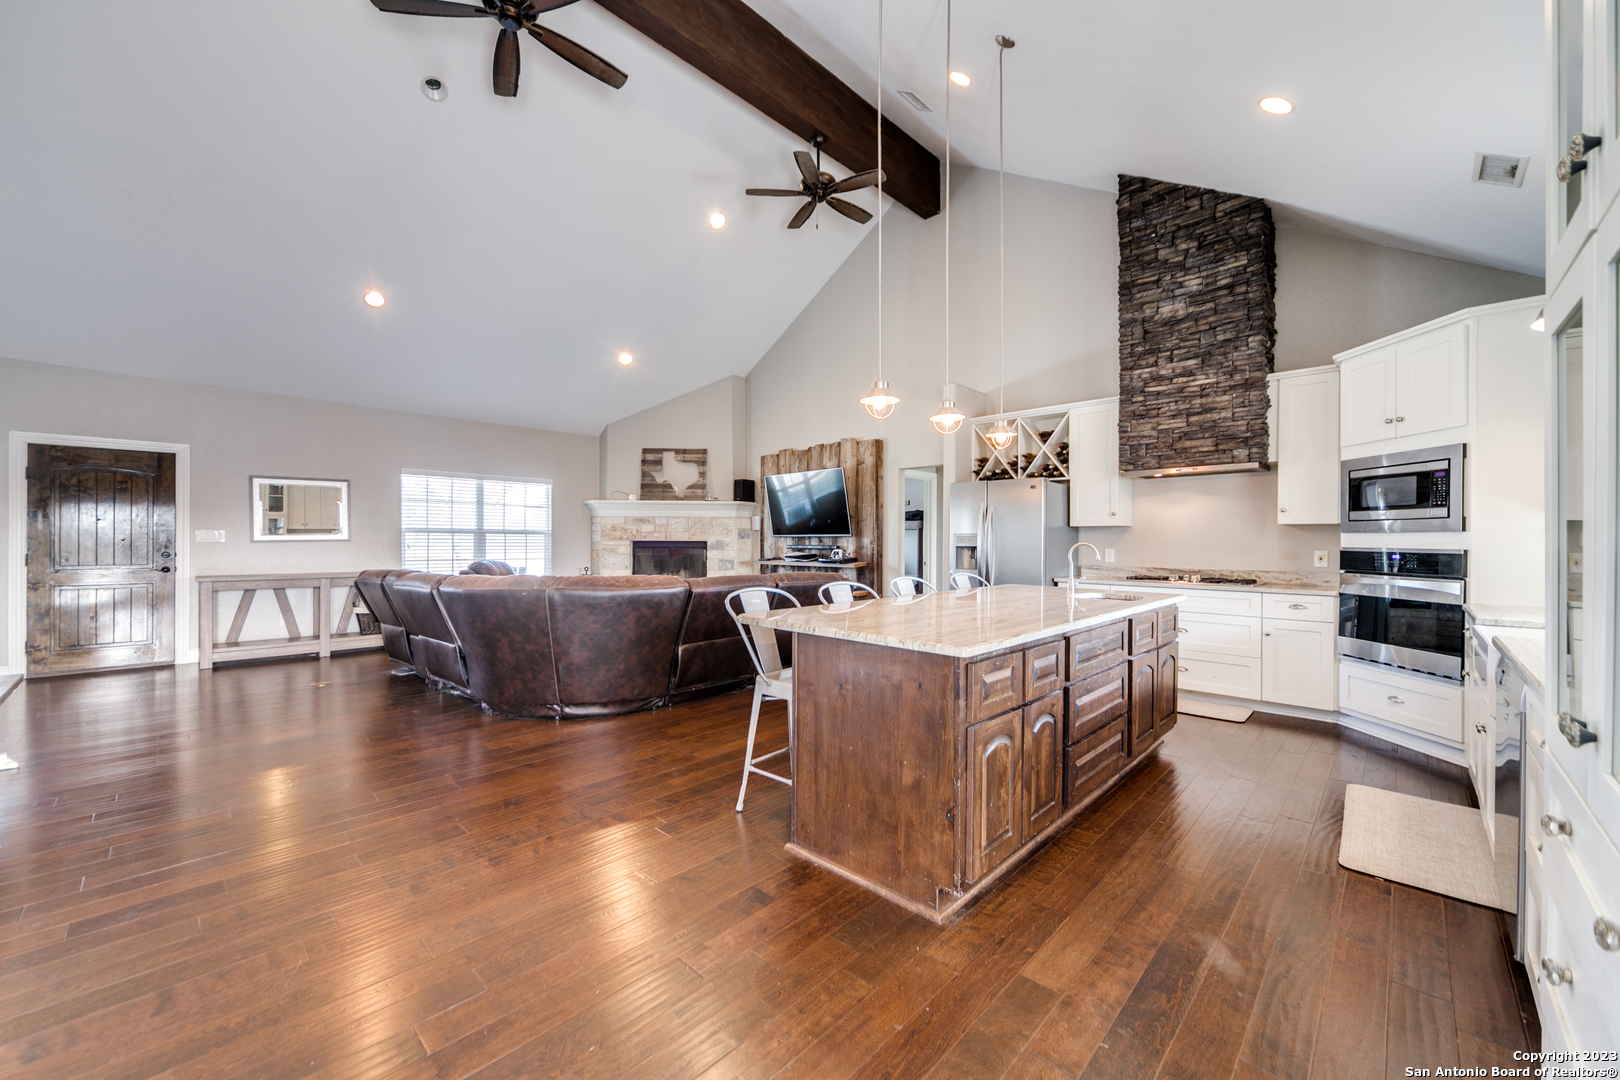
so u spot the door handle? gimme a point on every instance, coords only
(1555, 826)
(1396, 700)
(1296, 607)
(1182, 630)
(1556, 974)
(165, 569)
(1607, 934)
(1574, 731)
(1181, 669)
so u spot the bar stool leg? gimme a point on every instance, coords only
(748, 755)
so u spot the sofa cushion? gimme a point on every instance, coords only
(614, 641)
(492, 567)
(504, 628)
(711, 650)
(434, 650)
(396, 643)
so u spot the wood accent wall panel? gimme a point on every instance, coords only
(876, 746)
(862, 462)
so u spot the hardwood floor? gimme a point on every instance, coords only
(319, 869)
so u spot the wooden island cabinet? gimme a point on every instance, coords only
(941, 739)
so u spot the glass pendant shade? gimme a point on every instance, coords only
(948, 419)
(1000, 435)
(880, 402)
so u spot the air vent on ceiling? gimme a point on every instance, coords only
(916, 102)
(1500, 169)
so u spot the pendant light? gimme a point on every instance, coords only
(880, 402)
(949, 418)
(1001, 434)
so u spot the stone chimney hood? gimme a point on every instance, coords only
(1197, 322)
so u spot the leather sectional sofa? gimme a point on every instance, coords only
(565, 647)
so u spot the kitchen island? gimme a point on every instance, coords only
(940, 739)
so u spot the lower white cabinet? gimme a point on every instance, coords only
(1429, 707)
(1299, 661)
(1230, 676)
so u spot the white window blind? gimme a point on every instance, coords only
(447, 522)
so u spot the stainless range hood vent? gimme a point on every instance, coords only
(1196, 470)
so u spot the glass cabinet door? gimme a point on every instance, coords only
(1573, 182)
(1575, 449)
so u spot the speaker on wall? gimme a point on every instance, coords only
(742, 491)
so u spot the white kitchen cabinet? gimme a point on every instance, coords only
(1411, 388)
(1300, 663)
(1098, 495)
(1307, 419)
(1431, 708)
(1366, 398)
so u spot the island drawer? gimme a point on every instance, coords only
(1096, 700)
(1091, 763)
(1144, 633)
(1168, 626)
(995, 685)
(1097, 649)
(1043, 669)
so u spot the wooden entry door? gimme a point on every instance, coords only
(101, 559)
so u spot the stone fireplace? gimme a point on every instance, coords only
(724, 530)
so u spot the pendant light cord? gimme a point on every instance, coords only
(947, 198)
(1001, 195)
(880, 190)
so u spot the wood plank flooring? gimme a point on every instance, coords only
(319, 869)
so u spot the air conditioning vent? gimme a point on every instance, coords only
(916, 102)
(1500, 169)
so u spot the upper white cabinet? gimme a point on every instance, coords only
(1409, 388)
(1307, 434)
(1098, 495)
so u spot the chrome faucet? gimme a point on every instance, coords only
(1076, 571)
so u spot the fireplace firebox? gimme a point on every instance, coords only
(678, 558)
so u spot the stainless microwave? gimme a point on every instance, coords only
(1413, 491)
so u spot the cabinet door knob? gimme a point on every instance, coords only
(1268, 633)
(1555, 826)
(1389, 419)
(1400, 419)
(1296, 607)
(1556, 974)
(1607, 934)
(1181, 669)
(1396, 700)
(1112, 513)
(1182, 630)
(1576, 733)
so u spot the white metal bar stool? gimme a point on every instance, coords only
(902, 587)
(964, 580)
(772, 681)
(845, 592)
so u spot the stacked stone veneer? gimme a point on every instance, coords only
(1197, 322)
(725, 528)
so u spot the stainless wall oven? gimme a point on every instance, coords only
(1403, 609)
(1413, 491)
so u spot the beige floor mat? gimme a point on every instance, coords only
(1440, 847)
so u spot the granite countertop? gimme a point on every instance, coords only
(963, 624)
(1526, 653)
(1531, 618)
(1315, 582)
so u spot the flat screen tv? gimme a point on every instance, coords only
(808, 503)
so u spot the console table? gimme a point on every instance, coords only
(800, 564)
(329, 635)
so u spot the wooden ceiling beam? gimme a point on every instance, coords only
(735, 46)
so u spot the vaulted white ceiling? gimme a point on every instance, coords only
(203, 191)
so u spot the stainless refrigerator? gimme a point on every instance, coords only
(1012, 532)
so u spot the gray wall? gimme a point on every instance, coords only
(236, 434)
(1062, 345)
(712, 417)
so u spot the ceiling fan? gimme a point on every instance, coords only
(514, 15)
(819, 187)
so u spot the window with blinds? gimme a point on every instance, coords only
(447, 522)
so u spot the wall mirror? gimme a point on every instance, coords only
(287, 508)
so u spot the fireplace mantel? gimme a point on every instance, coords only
(726, 528)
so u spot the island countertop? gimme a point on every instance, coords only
(963, 624)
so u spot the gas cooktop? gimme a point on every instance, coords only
(1193, 579)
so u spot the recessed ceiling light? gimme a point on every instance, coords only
(717, 220)
(960, 78)
(625, 359)
(375, 299)
(1277, 106)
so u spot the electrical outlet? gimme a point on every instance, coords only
(1321, 558)
(1108, 554)
(209, 536)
